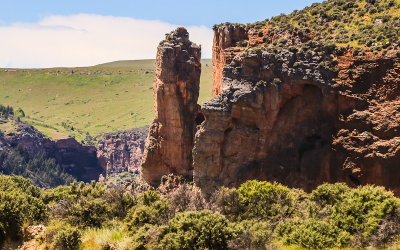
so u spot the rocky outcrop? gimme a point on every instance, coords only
(272, 122)
(176, 88)
(283, 116)
(121, 151)
(76, 159)
(228, 40)
(367, 140)
(24, 134)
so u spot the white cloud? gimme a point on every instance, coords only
(85, 40)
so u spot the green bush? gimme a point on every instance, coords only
(313, 234)
(19, 203)
(89, 213)
(147, 236)
(329, 194)
(251, 234)
(69, 238)
(264, 200)
(119, 201)
(197, 230)
(362, 210)
(228, 203)
(74, 191)
(151, 209)
(339, 216)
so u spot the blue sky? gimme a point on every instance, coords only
(181, 12)
(68, 33)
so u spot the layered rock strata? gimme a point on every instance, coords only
(226, 38)
(121, 151)
(272, 122)
(282, 116)
(176, 88)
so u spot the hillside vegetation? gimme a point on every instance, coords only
(330, 28)
(257, 215)
(369, 24)
(63, 102)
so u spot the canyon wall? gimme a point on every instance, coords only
(176, 88)
(225, 40)
(282, 116)
(121, 151)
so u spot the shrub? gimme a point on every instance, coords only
(329, 194)
(265, 200)
(339, 216)
(19, 203)
(147, 237)
(89, 213)
(68, 238)
(186, 197)
(74, 191)
(119, 201)
(362, 211)
(313, 234)
(197, 230)
(250, 234)
(227, 202)
(151, 209)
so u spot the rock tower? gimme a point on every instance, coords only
(176, 90)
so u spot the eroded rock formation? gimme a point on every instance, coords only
(282, 116)
(76, 159)
(226, 38)
(176, 89)
(122, 151)
(269, 123)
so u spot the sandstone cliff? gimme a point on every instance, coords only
(226, 38)
(284, 116)
(176, 89)
(302, 99)
(121, 151)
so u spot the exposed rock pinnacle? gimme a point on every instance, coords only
(176, 89)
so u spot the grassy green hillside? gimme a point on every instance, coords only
(76, 101)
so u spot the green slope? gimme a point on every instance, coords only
(76, 101)
(363, 25)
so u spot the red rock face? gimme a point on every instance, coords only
(121, 151)
(367, 139)
(266, 126)
(176, 89)
(225, 37)
(301, 125)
